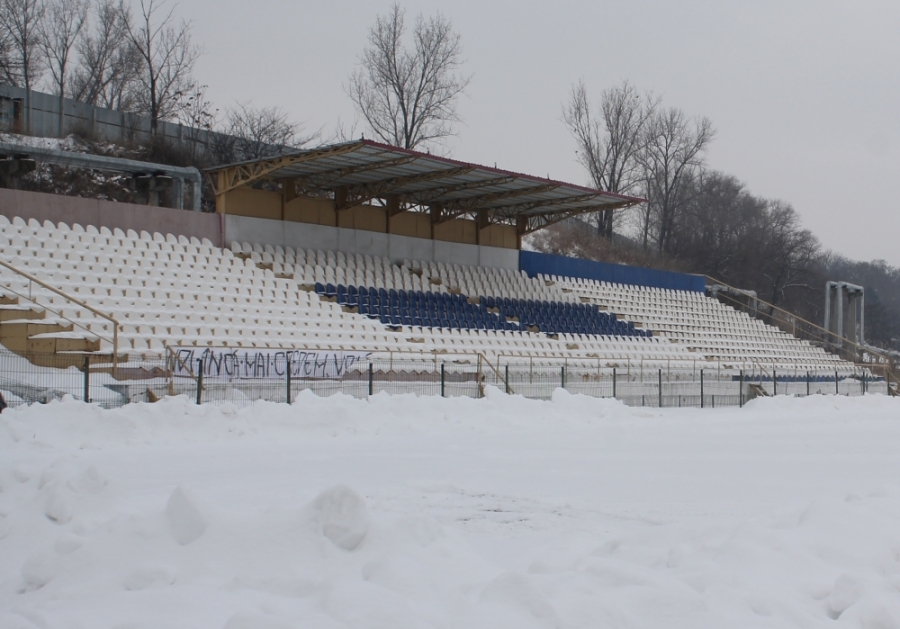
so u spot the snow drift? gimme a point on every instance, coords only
(429, 512)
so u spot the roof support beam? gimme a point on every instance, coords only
(455, 209)
(426, 197)
(246, 174)
(535, 222)
(514, 209)
(326, 179)
(363, 193)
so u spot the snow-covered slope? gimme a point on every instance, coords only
(430, 512)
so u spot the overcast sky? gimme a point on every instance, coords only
(805, 96)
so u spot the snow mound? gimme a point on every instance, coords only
(185, 517)
(340, 514)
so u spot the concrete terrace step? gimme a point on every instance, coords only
(54, 342)
(13, 312)
(14, 335)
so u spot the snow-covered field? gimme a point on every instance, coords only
(427, 512)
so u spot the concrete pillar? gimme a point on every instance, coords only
(148, 187)
(178, 193)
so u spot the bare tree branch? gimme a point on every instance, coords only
(20, 22)
(108, 62)
(408, 97)
(59, 30)
(252, 133)
(609, 141)
(673, 150)
(167, 61)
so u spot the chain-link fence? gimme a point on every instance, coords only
(41, 378)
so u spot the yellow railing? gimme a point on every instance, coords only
(30, 297)
(818, 333)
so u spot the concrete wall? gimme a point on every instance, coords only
(41, 119)
(58, 208)
(396, 248)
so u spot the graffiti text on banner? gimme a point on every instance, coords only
(269, 364)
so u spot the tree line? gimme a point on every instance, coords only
(700, 220)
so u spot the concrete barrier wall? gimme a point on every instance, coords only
(396, 248)
(58, 208)
(43, 120)
(533, 263)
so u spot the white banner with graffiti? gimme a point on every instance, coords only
(262, 364)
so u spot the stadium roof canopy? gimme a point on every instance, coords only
(359, 172)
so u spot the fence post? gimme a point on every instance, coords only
(442, 380)
(199, 381)
(837, 391)
(741, 392)
(864, 382)
(807, 384)
(774, 382)
(660, 388)
(372, 379)
(288, 370)
(614, 382)
(702, 405)
(562, 377)
(87, 378)
(506, 378)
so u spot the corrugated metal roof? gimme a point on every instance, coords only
(366, 169)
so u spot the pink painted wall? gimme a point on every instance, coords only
(58, 208)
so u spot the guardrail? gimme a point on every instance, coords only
(807, 330)
(30, 297)
(37, 378)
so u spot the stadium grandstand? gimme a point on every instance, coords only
(377, 259)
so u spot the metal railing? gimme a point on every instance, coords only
(26, 379)
(803, 329)
(30, 297)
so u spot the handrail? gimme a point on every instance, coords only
(497, 372)
(795, 317)
(31, 278)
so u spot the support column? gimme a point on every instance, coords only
(147, 188)
(288, 194)
(12, 170)
(392, 209)
(521, 229)
(220, 196)
(481, 222)
(436, 210)
(178, 193)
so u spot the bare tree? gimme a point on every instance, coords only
(59, 30)
(167, 61)
(20, 21)
(610, 140)
(788, 253)
(108, 62)
(673, 150)
(8, 64)
(255, 133)
(408, 96)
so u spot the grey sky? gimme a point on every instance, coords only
(805, 95)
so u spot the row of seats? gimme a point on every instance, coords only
(170, 290)
(444, 310)
(704, 324)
